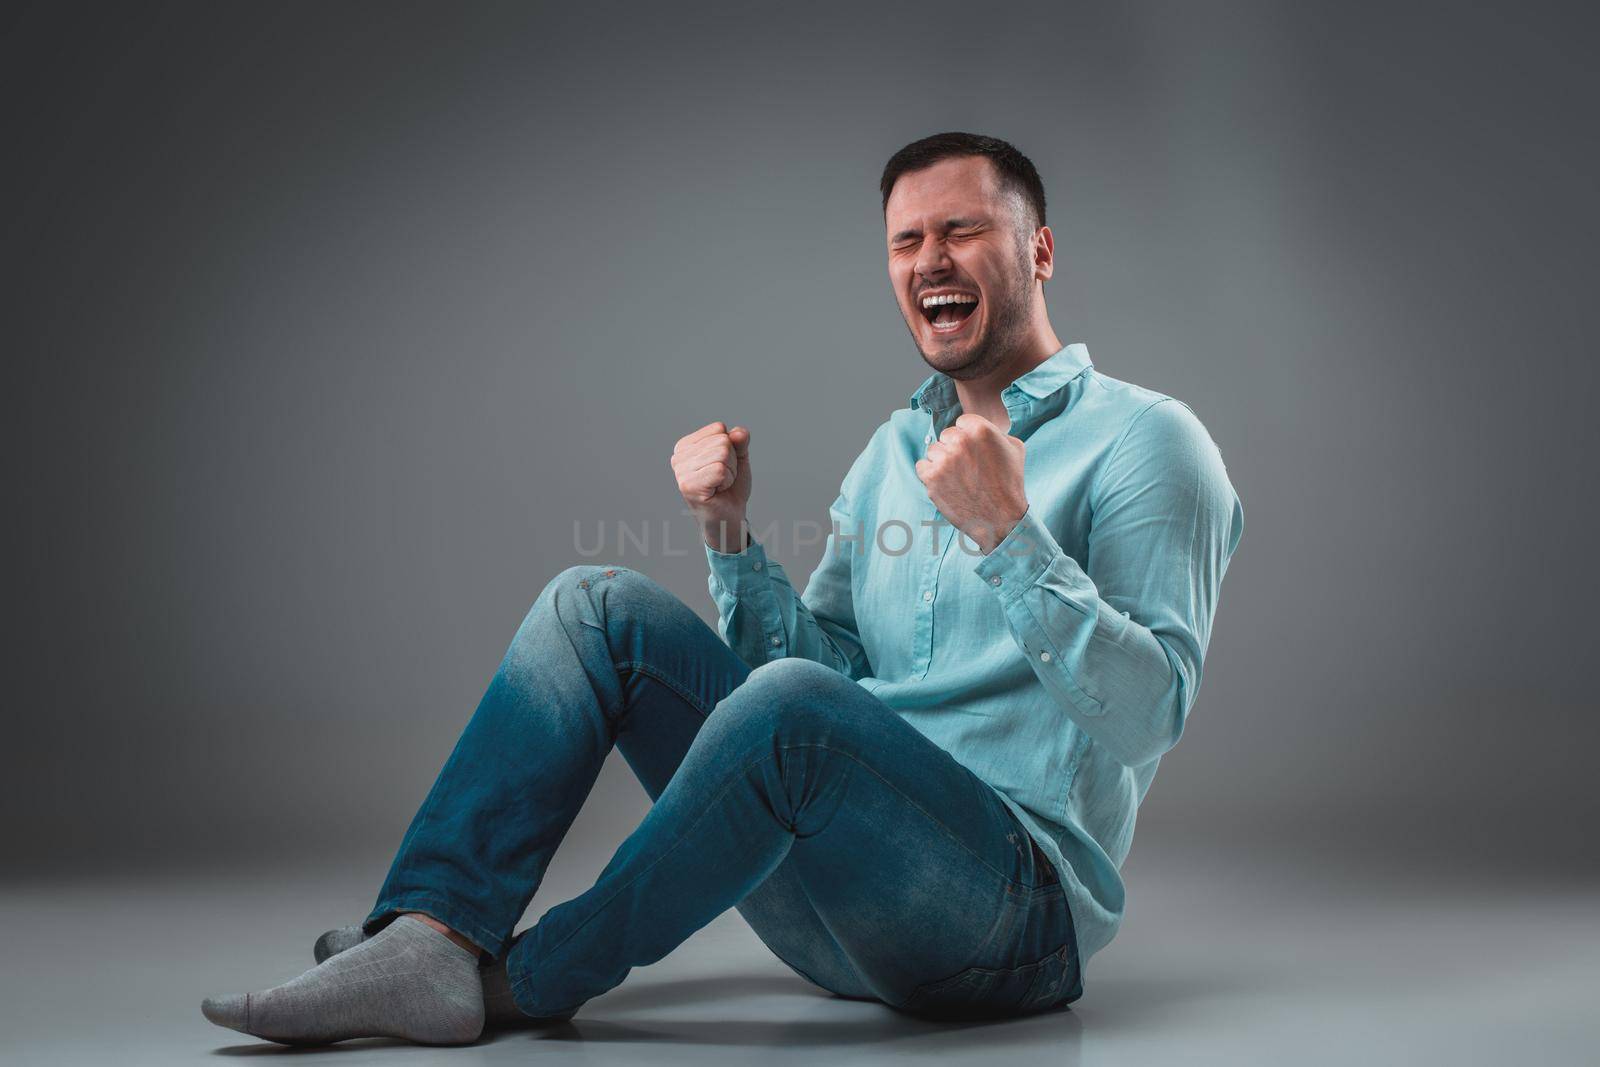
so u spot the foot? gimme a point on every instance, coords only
(336, 941)
(499, 1010)
(407, 981)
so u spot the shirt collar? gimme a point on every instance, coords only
(938, 392)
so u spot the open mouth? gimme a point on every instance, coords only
(948, 312)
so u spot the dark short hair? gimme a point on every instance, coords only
(1015, 169)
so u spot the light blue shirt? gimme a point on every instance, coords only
(1060, 667)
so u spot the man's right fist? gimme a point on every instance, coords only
(712, 466)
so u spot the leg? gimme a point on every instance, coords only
(605, 654)
(913, 865)
(778, 910)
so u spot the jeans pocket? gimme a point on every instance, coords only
(999, 992)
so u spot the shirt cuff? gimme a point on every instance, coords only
(1020, 558)
(739, 572)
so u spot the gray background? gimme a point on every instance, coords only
(329, 327)
(325, 325)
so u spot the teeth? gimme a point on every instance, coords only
(949, 298)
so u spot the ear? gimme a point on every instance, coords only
(1044, 254)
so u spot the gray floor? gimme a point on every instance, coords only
(1227, 957)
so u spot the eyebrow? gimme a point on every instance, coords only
(949, 224)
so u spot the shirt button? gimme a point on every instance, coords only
(927, 439)
(756, 565)
(1044, 656)
(776, 642)
(927, 594)
(995, 580)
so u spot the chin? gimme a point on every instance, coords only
(957, 365)
(952, 357)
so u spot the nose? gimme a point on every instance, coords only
(931, 257)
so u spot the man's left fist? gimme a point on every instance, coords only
(974, 477)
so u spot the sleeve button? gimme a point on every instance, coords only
(756, 565)
(995, 580)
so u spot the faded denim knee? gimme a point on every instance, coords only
(789, 700)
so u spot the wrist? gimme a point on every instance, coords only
(994, 534)
(726, 536)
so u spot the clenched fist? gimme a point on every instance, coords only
(974, 477)
(712, 466)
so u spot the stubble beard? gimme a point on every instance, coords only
(997, 345)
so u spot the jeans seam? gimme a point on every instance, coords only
(1001, 915)
(969, 964)
(912, 801)
(422, 816)
(650, 671)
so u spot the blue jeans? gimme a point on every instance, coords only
(866, 858)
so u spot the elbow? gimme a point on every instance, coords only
(1161, 724)
(1137, 715)
(1131, 730)
(1168, 733)
(1171, 706)
(1149, 745)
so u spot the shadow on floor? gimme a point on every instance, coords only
(851, 1026)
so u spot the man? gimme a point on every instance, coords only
(917, 781)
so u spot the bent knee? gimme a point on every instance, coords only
(583, 575)
(614, 579)
(794, 673)
(787, 695)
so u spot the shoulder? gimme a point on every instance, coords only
(1146, 420)
(1162, 449)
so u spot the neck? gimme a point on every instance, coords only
(981, 395)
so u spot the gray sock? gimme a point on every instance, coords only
(336, 941)
(499, 1009)
(407, 981)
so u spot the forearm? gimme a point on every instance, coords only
(762, 618)
(1124, 684)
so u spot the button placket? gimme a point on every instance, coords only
(922, 632)
(931, 560)
(933, 569)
